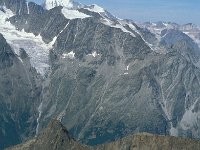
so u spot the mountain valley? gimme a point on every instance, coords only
(102, 77)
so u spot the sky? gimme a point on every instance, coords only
(179, 11)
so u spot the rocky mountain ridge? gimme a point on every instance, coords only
(20, 88)
(192, 30)
(103, 77)
(56, 137)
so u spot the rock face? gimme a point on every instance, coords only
(56, 137)
(19, 93)
(106, 77)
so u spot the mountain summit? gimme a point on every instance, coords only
(49, 4)
(103, 77)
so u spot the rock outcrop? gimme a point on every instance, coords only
(56, 137)
(104, 78)
(20, 90)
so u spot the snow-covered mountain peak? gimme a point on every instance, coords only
(95, 8)
(49, 4)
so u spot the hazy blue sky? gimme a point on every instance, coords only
(180, 11)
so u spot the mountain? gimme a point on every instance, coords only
(192, 30)
(19, 92)
(57, 137)
(103, 77)
(49, 4)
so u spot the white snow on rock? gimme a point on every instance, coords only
(70, 4)
(34, 46)
(192, 36)
(125, 73)
(95, 8)
(70, 55)
(118, 25)
(73, 14)
(27, 7)
(94, 54)
(49, 4)
(127, 67)
(69, 9)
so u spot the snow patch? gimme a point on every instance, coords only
(132, 27)
(21, 60)
(55, 38)
(27, 7)
(127, 67)
(116, 25)
(165, 24)
(73, 14)
(126, 70)
(95, 8)
(94, 54)
(70, 55)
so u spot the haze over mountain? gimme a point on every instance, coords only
(103, 77)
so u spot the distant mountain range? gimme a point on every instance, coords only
(103, 77)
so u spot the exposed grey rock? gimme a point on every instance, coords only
(106, 83)
(19, 94)
(6, 54)
(54, 137)
(17, 6)
(23, 54)
(99, 93)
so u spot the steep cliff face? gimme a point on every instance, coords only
(19, 94)
(54, 137)
(112, 83)
(57, 137)
(104, 78)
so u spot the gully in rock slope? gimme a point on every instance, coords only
(89, 86)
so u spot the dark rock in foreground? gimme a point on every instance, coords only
(56, 137)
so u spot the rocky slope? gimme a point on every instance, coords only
(19, 94)
(103, 77)
(56, 137)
